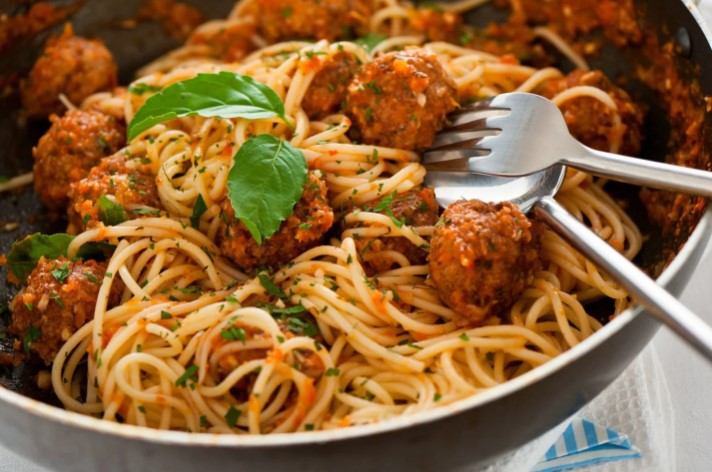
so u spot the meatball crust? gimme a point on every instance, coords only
(130, 183)
(436, 24)
(312, 19)
(482, 257)
(73, 145)
(327, 90)
(229, 43)
(304, 229)
(591, 121)
(59, 298)
(416, 207)
(401, 99)
(69, 65)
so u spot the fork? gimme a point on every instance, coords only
(518, 134)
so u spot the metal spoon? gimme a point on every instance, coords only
(535, 193)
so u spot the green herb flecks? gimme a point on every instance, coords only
(32, 335)
(232, 415)
(198, 210)
(61, 273)
(191, 373)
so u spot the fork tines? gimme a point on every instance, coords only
(463, 139)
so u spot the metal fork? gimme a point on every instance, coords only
(517, 134)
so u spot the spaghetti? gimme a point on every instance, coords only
(197, 345)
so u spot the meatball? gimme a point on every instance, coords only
(69, 65)
(572, 18)
(304, 229)
(401, 99)
(436, 24)
(73, 145)
(508, 40)
(58, 299)
(327, 90)
(591, 121)
(178, 19)
(482, 257)
(130, 183)
(414, 208)
(229, 43)
(312, 19)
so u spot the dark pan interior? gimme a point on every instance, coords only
(133, 47)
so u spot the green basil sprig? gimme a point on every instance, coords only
(266, 181)
(225, 95)
(25, 253)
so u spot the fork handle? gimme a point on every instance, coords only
(665, 307)
(643, 172)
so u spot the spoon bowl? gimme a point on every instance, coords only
(535, 193)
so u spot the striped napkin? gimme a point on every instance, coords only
(586, 443)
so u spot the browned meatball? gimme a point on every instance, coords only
(73, 145)
(513, 42)
(304, 229)
(131, 184)
(230, 43)
(69, 65)
(437, 24)
(401, 99)
(59, 298)
(327, 91)
(571, 18)
(590, 121)
(312, 19)
(482, 257)
(415, 208)
(178, 19)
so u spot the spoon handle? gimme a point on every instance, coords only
(665, 307)
(643, 172)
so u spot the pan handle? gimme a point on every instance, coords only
(665, 307)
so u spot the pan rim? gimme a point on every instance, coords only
(58, 415)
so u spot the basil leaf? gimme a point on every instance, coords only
(371, 40)
(110, 212)
(98, 251)
(266, 181)
(24, 255)
(225, 94)
(198, 210)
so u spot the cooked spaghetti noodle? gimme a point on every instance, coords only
(194, 344)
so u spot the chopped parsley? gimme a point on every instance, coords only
(271, 287)
(191, 373)
(61, 273)
(232, 415)
(32, 335)
(234, 334)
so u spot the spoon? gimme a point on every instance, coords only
(535, 194)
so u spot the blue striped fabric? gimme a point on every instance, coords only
(585, 443)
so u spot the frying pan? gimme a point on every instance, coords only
(473, 432)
